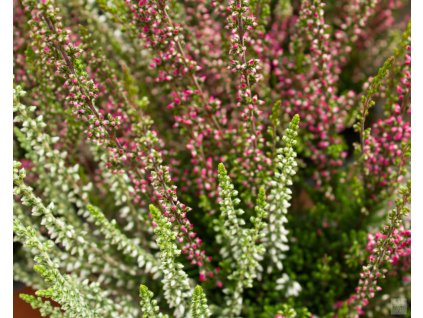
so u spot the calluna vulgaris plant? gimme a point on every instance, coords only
(212, 159)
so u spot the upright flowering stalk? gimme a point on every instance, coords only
(385, 145)
(199, 308)
(241, 24)
(389, 243)
(279, 196)
(149, 306)
(176, 284)
(239, 242)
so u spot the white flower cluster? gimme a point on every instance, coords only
(77, 245)
(240, 243)
(84, 252)
(275, 240)
(58, 181)
(292, 288)
(176, 284)
(64, 289)
(116, 238)
(149, 306)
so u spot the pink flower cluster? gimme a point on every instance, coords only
(400, 250)
(176, 212)
(195, 112)
(241, 23)
(391, 247)
(387, 147)
(306, 78)
(307, 73)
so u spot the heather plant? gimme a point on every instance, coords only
(212, 159)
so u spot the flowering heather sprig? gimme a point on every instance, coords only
(44, 306)
(118, 239)
(240, 243)
(307, 76)
(279, 196)
(390, 243)
(149, 307)
(176, 283)
(402, 251)
(54, 46)
(403, 87)
(63, 289)
(241, 23)
(76, 241)
(199, 308)
(176, 213)
(386, 153)
(231, 218)
(58, 180)
(367, 99)
(353, 26)
(385, 145)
